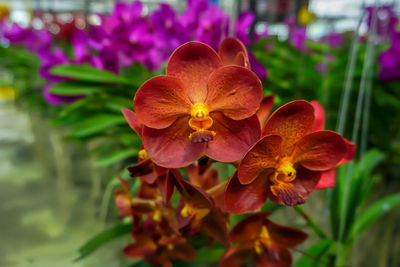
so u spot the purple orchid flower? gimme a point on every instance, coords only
(386, 20)
(389, 61)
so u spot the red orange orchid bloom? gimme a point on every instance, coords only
(328, 178)
(199, 107)
(286, 164)
(198, 211)
(265, 242)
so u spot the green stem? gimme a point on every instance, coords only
(310, 222)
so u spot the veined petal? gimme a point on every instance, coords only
(328, 179)
(249, 228)
(241, 198)
(237, 255)
(160, 101)
(140, 249)
(191, 194)
(291, 121)
(144, 169)
(285, 259)
(215, 225)
(132, 120)
(193, 63)
(319, 122)
(171, 147)
(235, 91)
(263, 155)
(265, 109)
(284, 235)
(233, 138)
(233, 52)
(320, 151)
(306, 181)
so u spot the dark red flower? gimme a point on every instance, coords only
(286, 164)
(263, 241)
(199, 107)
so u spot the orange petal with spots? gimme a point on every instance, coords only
(235, 91)
(233, 138)
(241, 198)
(160, 101)
(193, 63)
(171, 147)
(263, 155)
(320, 151)
(291, 121)
(265, 109)
(233, 52)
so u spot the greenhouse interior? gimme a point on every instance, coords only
(129, 137)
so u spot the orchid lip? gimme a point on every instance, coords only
(200, 122)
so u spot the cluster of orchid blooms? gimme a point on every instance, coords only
(209, 108)
(128, 35)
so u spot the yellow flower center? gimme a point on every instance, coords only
(262, 240)
(200, 122)
(189, 210)
(142, 154)
(157, 216)
(170, 247)
(285, 173)
(199, 111)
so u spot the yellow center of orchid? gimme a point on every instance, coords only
(285, 173)
(189, 210)
(199, 111)
(157, 216)
(142, 154)
(282, 186)
(200, 122)
(264, 238)
(170, 247)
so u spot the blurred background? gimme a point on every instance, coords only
(63, 139)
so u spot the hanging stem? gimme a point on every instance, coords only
(310, 222)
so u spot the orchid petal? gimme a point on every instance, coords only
(320, 151)
(193, 63)
(241, 198)
(291, 121)
(265, 108)
(235, 91)
(229, 50)
(263, 155)
(132, 120)
(233, 138)
(171, 147)
(160, 101)
(319, 122)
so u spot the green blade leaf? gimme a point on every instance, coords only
(314, 255)
(88, 74)
(373, 212)
(95, 124)
(74, 88)
(102, 238)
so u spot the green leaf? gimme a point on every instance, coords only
(209, 255)
(74, 88)
(115, 156)
(88, 74)
(373, 212)
(102, 238)
(95, 124)
(314, 255)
